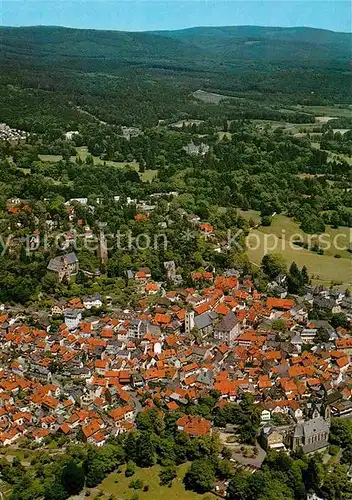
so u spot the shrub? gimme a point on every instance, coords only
(333, 450)
(130, 469)
(137, 484)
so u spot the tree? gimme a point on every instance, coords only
(200, 477)
(339, 319)
(273, 265)
(73, 478)
(226, 453)
(279, 325)
(314, 474)
(341, 432)
(266, 220)
(130, 468)
(167, 474)
(55, 491)
(347, 455)
(136, 484)
(238, 487)
(336, 484)
(321, 336)
(224, 469)
(304, 275)
(312, 225)
(247, 433)
(130, 446)
(150, 420)
(145, 450)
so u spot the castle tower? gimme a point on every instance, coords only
(103, 249)
(189, 322)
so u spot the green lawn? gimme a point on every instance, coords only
(149, 477)
(327, 110)
(250, 214)
(82, 152)
(322, 268)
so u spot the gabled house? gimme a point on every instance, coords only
(64, 266)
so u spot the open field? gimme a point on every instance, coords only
(82, 152)
(209, 97)
(322, 268)
(149, 477)
(327, 111)
(292, 128)
(250, 214)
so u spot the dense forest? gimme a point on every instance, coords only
(50, 75)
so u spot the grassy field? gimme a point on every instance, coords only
(292, 128)
(322, 268)
(82, 152)
(209, 97)
(250, 214)
(116, 484)
(331, 111)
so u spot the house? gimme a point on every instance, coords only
(194, 149)
(137, 329)
(81, 201)
(227, 329)
(265, 416)
(58, 308)
(328, 304)
(121, 414)
(308, 335)
(92, 301)
(272, 438)
(64, 266)
(143, 274)
(72, 318)
(194, 426)
(281, 304)
(70, 134)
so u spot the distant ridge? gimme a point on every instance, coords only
(199, 45)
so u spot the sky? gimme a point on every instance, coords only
(142, 15)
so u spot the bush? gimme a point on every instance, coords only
(337, 256)
(137, 484)
(167, 474)
(130, 469)
(333, 450)
(266, 220)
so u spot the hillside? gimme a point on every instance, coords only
(196, 45)
(269, 44)
(48, 73)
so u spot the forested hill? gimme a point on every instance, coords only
(50, 74)
(298, 44)
(202, 46)
(44, 43)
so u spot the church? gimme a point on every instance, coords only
(311, 435)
